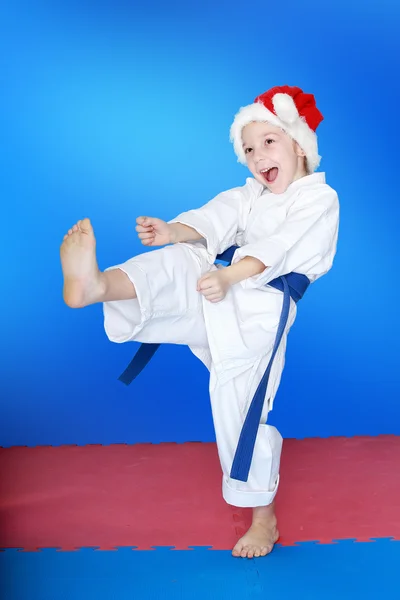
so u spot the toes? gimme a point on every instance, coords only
(86, 226)
(83, 225)
(251, 551)
(237, 549)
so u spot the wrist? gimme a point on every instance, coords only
(228, 275)
(173, 233)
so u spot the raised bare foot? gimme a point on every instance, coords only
(262, 535)
(83, 282)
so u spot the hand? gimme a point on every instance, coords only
(154, 232)
(214, 285)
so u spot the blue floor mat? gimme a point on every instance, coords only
(310, 571)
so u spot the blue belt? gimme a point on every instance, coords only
(293, 285)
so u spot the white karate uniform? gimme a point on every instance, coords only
(294, 231)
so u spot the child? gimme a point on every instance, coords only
(284, 219)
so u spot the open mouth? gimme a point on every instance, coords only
(270, 174)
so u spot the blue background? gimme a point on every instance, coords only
(115, 109)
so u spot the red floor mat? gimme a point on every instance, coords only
(170, 494)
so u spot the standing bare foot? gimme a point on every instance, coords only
(83, 282)
(262, 535)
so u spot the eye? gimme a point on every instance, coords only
(247, 150)
(269, 141)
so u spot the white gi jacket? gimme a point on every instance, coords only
(294, 231)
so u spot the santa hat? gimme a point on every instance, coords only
(288, 108)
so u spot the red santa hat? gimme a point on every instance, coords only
(288, 108)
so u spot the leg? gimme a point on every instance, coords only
(84, 283)
(166, 307)
(230, 401)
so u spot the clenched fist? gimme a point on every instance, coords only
(214, 285)
(154, 232)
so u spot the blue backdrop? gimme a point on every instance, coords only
(112, 109)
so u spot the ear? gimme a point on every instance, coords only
(299, 151)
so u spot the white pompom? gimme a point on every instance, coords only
(285, 108)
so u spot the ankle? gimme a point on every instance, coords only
(114, 284)
(103, 287)
(263, 514)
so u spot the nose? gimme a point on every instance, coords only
(258, 154)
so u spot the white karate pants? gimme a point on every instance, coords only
(168, 309)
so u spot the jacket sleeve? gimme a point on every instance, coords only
(222, 219)
(304, 243)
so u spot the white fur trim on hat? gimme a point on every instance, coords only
(288, 120)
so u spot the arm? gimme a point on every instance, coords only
(218, 222)
(245, 268)
(156, 232)
(183, 233)
(305, 242)
(222, 218)
(215, 284)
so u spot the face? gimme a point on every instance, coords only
(273, 158)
